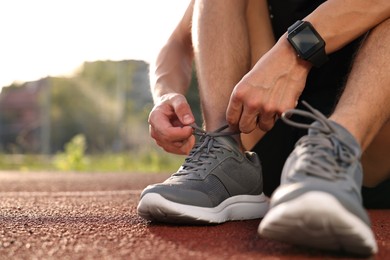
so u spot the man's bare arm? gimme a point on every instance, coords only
(278, 78)
(172, 70)
(341, 21)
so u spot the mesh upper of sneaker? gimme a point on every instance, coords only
(214, 170)
(327, 159)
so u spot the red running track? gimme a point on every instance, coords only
(93, 216)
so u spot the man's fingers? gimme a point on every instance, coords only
(266, 122)
(183, 110)
(171, 134)
(179, 147)
(234, 110)
(248, 120)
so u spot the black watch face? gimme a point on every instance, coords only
(305, 41)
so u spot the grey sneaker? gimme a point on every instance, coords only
(216, 183)
(318, 203)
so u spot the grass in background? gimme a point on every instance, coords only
(74, 158)
(154, 161)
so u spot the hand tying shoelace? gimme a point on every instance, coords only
(216, 183)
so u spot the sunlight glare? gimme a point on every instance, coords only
(45, 37)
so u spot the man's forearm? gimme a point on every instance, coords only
(338, 22)
(341, 21)
(172, 71)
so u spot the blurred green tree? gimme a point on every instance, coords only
(108, 102)
(100, 101)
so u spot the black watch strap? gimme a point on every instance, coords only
(318, 58)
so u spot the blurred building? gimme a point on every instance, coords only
(20, 117)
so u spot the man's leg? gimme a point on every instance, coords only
(376, 166)
(375, 159)
(229, 37)
(222, 54)
(364, 105)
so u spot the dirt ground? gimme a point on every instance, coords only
(93, 216)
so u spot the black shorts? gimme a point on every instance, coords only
(322, 90)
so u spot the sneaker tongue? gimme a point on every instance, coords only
(341, 133)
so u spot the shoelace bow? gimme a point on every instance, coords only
(326, 158)
(204, 149)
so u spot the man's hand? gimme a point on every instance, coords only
(170, 122)
(270, 88)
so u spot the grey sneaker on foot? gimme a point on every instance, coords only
(318, 203)
(216, 183)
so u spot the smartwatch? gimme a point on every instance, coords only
(307, 43)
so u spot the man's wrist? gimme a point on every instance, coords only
(161, 90)
(164, 96)
(288, 51)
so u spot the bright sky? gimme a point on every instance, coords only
(54, 37)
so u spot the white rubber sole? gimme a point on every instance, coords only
(155, 207)
(317, 219)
